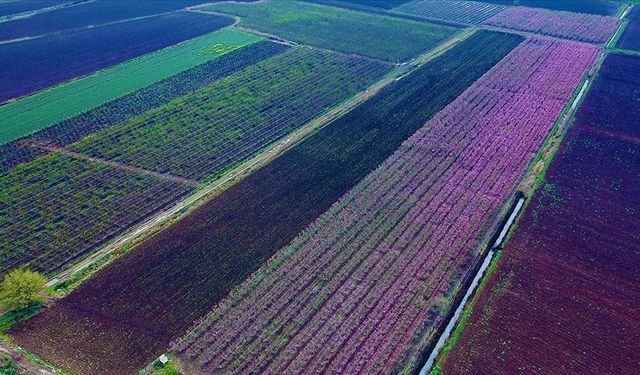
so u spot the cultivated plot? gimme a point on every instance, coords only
(468, 12)
(46, 108)
(339, 29)
(565, 293)
(89, 13)
(575, 26)
(382, 4)
(202, 135)
(32, 65)
(601, 7)
(631, 37)
(17, 7)
(363, 289)
(57, 208)
(197, 261)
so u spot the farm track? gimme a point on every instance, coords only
(24, 363)
(111, 163)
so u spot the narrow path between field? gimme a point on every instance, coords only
(111, 163)
(23, 363)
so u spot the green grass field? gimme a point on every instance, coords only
(50, 106)
(347, 31)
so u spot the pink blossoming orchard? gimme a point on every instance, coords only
(351, 294)
(319, 185)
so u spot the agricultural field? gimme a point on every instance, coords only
(200, 136)
(47, 61)
(339, 29)
(383, 4)
(631, 37)
(467, 12)
(600, 7)
(319, 186)
(57, 208)
(46, 108)
(197, 261)
(9, 8)
(359, 289)
(575, 26)
(565, 293)
(136, 103)
(90, 13)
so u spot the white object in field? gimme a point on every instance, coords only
(510, 221)
(163, 359)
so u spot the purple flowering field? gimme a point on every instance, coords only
(568, 25)
(351, 293)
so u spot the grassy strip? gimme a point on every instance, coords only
(466, 314)
(50, 106)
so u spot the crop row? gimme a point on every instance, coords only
(339, 29)
(601, 7)
(197, 261)
(575, 26)
(201, 135)
(156, 95)
(565, 293)
(56, 209)
(35, 64)
(451, 10)
(351, 294)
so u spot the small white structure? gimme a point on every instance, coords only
(163, 359)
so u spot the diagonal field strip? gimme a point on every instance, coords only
(48, 107)
(111, 163)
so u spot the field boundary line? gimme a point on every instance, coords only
(111, 163)
(165, 218)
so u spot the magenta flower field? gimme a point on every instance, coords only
(365, 286)
(576, 26)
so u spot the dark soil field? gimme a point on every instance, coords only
(128, 313)
(89, 13)
(564, 298)
(631, 37)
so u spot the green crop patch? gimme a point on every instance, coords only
(56, 209)
(48, 107)
(343, 30)
(202, 135)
